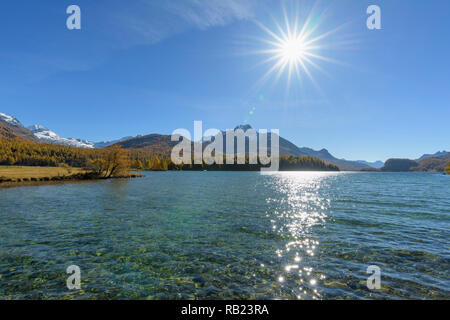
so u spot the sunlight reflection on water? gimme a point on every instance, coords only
(229, 235)
(300, 206)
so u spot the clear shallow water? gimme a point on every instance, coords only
(225, 235)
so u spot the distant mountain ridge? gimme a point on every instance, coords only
(48, 136)
(156, 143)
(436, 155)
(162, 144)
(11, 127)
(343, 164)
(103, 144)
(287, 148)
(10, 119)
(427, 164)
(376, 164)
(436, 164)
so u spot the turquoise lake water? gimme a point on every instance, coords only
(229, 235)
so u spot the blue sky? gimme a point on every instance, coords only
(141, 67)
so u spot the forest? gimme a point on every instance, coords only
(287, 163)
(100, 163)
(110, 161)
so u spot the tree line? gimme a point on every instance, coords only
(287, 163)
(102, 163)
(114, 160)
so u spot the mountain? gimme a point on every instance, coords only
(376, 164)
(288, 148)
(399, 165)
(162, 144)
(48, 136)
(155, 143)
(343, 164)
(10, 119)
(11, 128)
(436, 155)
(103, 144)
(433, 164)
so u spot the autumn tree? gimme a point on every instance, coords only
(156, 165)
(164, 165)
(138, 165)
(148, 165)
(113, 162)
(448, 168)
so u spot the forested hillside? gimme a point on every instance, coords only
(162, 145)
(8, 131)
(433, 164)
(27, 153)
(436, 164)
(287, 163)
(21, 152)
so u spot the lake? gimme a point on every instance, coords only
(229, 235)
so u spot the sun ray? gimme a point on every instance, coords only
(270, 32)
(316, 66)
(295, 45)
(288, 25)
(324, 35)
(319, 57)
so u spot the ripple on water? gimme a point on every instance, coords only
(229, 235)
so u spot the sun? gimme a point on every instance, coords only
(292, 50)
(295, 48)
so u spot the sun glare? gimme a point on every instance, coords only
(295, 47)
(292, 50)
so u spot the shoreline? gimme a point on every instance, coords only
(35, 178)
(14, 184)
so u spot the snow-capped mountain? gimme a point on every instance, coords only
(10, 119)
(48, 136)
(43, 134)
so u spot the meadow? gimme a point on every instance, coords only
(21, 174)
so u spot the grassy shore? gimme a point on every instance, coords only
(16, 175)
(28, 173)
